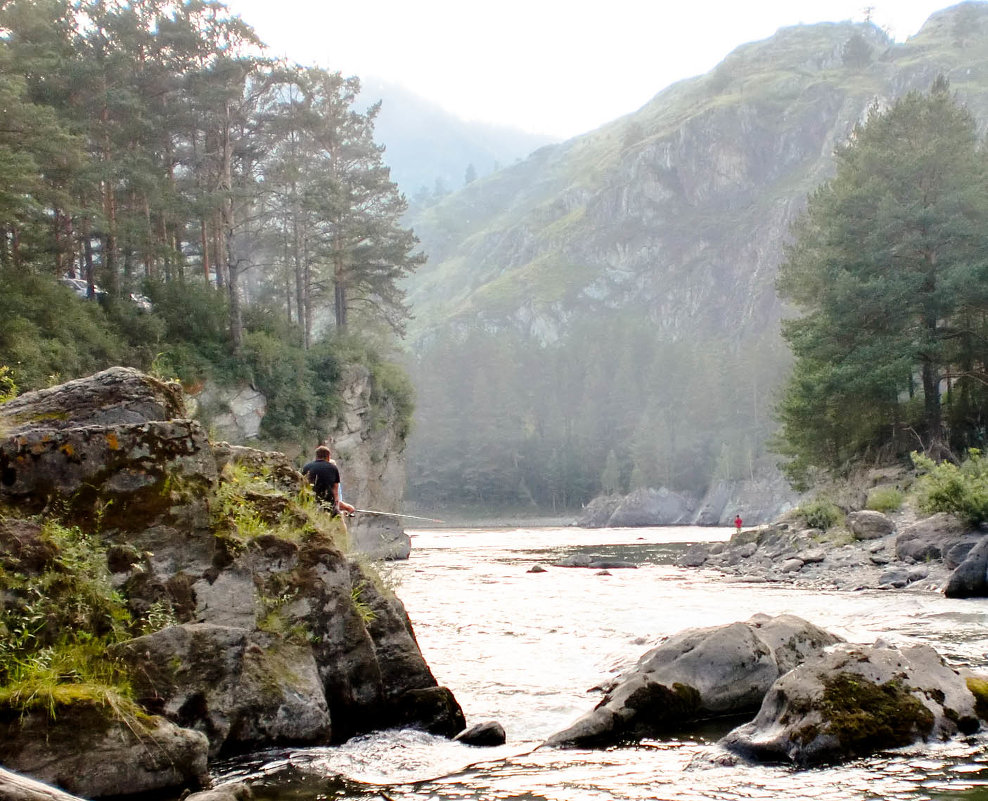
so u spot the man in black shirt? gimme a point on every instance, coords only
(324, 476)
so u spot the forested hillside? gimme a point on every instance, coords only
(172, 199)
(606, 311)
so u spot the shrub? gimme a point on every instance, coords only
(960, 490)
(821, 513)
(884, 499)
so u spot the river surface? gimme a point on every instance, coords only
(525, 649)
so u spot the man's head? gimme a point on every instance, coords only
(322, 452)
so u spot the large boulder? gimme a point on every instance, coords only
(118, 396)
(597, 513)
(869, 525)
(853, 701)
(697, 674)
(89, 751)
(379, 537)
(653, 507)
(970, 579)
(932, 538)
(258, 630)
(241, 690)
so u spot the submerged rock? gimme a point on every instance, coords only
(853, 701)
(488, 733)
(697, 674)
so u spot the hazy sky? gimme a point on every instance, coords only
(559, 67)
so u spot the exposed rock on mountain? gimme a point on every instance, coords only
(669, 223)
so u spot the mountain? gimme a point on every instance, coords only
(426, 146)
(636, 265)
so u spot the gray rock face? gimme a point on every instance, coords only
(855, 700)
(233, 413)
(970, 579)
(931, 538)
(369, 445)
(868, 525)
(280, 638)
(241, 690)
(700, 673)
(110, 758)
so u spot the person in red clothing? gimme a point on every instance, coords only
(737, 523)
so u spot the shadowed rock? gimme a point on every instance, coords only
(697, 674)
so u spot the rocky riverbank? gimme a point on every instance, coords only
(168, 599)
(869, 550)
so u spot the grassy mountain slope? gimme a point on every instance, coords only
(680, 209)
(602, 316)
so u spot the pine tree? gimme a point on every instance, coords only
(882, 268)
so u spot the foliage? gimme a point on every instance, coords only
(821, 513)
(363, 608)
(49, 336)
(888, 271)
(55, 628)
(884, 499)
(505, 422)
(248, 505)
(960, 490)
(8, 389)
(203, 169)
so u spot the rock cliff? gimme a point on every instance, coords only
(216, 592)
(672, 219)
(368, 440)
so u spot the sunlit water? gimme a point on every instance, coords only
(525, 648)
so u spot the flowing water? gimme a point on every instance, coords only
(525, 648)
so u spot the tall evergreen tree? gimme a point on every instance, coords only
(882, 267)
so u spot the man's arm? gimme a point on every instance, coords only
(342, 505)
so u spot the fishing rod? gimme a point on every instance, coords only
(395, 514)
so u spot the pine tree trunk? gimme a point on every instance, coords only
(339, 286)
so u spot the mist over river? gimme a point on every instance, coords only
(524, 649)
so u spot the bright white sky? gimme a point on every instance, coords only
(559, 67)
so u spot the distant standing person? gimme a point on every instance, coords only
(324, 476)
(737, 523)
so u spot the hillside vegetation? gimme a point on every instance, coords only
(616, 293)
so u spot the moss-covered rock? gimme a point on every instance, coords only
(856, 700)
(220, 590)
(698, 674)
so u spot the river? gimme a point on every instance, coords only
(524, 649)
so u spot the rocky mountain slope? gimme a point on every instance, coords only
(654, 240)
(679, 211)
